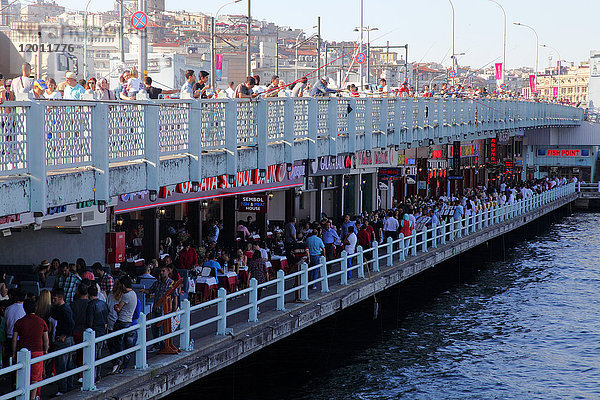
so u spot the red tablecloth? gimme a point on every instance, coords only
(281, 264)
(206, 292)
(243, 278)
(230, 283)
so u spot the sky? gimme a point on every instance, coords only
(571, 27)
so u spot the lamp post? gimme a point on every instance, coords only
(362, 86)
(85, 41)
(248, 48)
(559, 61)
(537, 46)
(368, 29)
(213, 54)
(296, 46)
(504, 43)
(453, 54)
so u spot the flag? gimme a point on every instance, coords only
(219, 67)
(532, 84)
(499, 75)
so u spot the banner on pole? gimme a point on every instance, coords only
(532, 84)
(499, 75)
(219, 67)
(555, 92)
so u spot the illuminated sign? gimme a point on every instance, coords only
(467, 150)
(493, 151)
(563, 152)
(256, 203)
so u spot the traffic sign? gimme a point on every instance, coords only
(139, 20)
(451, 74)
(503, 86)
(360, 58)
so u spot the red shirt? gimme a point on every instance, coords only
(30, 329)
(364, 238)
(188, 259)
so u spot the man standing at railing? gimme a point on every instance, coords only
(315, 250)
(31, 333)
(320, 88)
(63, 315)
(188, 87)
(73, 90)
(158, 290)
(125, 310)
(68, 282)
(97, 319)
(330, 237)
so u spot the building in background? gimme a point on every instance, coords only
(567, 83)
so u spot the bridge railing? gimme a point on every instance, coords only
(352, 269)
(70, 131)
(588, 187)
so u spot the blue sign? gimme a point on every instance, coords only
(360, 58)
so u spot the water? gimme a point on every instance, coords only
(526, 327)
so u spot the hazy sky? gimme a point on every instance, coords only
(426, 25)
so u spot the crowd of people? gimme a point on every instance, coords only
(105, 300)
(132, 86)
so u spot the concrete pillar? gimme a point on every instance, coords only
(151, 237)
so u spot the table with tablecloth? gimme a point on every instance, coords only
(206, 287)
(280, 262)
(229, 281)
(243, 277)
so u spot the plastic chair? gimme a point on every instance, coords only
(147, 282)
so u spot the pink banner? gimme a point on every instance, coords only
(499, 75)
(532, 83)
(219, 67)
(555, 92)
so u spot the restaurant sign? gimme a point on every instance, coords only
(256, 203)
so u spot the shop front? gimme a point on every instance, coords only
(326, 188)
(371, 192)
(563, 161)
(188, 211)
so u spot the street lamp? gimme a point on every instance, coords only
(453, 54)
(85, 41)
(367, 29)
(296, 46)
(504, 44)
(559, 61)
(212, 43)
(537, 45)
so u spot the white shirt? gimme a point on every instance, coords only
(130, 303)
(53, 96)
(230, 92)
(390, 224)
(22, 85)
(352, 243)
(12, 314)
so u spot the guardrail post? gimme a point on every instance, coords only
(390, 252)
(344, 268)
(435, 235)
(324, 281)
(195, 141)
(100, 151)
(253, 299)
(222, 312)
(452, 223)
(151, 147)
(375, 256)
(89, 360)
(186, 336)
(304, 282)
(37, 158)
(424, 233)
(413, 242)
(24, 373)
(140, 355)
(360, 261)
(402, 247)
(444, 233)
(280, 290)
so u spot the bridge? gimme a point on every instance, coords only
(55, 153)
(219, 332)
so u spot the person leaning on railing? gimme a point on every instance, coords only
(244, 90)
(31, 333)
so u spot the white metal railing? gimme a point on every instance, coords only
(94, 134)
(380, 255)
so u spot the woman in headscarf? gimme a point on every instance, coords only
(102, 92)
